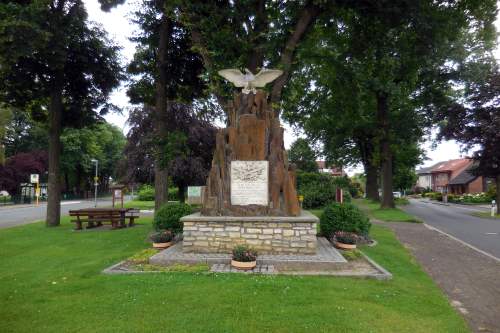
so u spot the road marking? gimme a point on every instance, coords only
(491, 233)
(462, 242)
(69, 202)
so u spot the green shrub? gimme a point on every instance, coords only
(343, 217)
(173, 194)
(319, 189)
(146, 193)
(167, 217)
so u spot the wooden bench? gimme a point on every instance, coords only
(95, 217)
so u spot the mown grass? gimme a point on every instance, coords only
(384, 214)
(486, 215)
(51, 281)
(142, 205)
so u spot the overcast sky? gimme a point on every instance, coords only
(118, 25)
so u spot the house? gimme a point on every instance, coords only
(467, 182)
(333, 170)
(445, 172)
(424, 180)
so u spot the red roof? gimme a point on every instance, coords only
(451, 165)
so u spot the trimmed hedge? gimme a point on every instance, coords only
(167, 217)
(343, 217)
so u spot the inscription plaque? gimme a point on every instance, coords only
(249, 183)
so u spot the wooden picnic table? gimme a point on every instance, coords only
(95, 217)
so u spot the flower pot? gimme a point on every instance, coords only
(243, 265)
(162, 245)
(345, 246)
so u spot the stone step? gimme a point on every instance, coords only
(327, 258)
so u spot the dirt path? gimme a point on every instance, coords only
(470, 279)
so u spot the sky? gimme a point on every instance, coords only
(117, 24)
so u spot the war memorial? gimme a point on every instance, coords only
(250, 196)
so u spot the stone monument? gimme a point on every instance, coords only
(250, 196)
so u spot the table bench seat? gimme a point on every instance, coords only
(92, 216)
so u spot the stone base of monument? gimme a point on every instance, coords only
(265, 234)
(325, 258)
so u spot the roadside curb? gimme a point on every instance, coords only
(489, 255)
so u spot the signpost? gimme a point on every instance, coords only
(35, 179)
(118, 194)
(493, 207)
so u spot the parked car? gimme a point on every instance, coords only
(396, 194)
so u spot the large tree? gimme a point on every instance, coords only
(186, 151)
(251, 34)
(303, 156)
(384, 68)
(164, 69)
(52, 58)
(476, 123)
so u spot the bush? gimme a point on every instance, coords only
(146, 193)
(319, 189)
(243, 253)
(167, 217)
(343, 217)
(173, 194)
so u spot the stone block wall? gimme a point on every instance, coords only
(218, 234)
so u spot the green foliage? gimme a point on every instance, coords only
(472, 198)
(303, 156)
(173, 194)
(343, 217)
(401, 201)
(167, 217)
(146, 193)
(319, 189)
(243, 253)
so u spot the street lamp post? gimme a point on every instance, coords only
(95, 180)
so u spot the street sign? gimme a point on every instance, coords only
(34, 177)
(96, 179)
(37, 192)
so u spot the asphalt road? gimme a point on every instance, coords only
(456, 220)
(23, 214)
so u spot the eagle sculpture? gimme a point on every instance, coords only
(248, 81)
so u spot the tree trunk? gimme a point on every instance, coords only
(182, 194)
(385, 151)
(498, 194)
(161, 125)
(54, 181)
(371, 182)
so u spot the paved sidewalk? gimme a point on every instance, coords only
(470, 279)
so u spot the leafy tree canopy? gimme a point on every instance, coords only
(302, 155)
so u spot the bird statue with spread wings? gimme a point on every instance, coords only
(248, 81)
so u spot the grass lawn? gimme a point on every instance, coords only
(51, 282)
(143, 205)
(387, 214)
(486, 215)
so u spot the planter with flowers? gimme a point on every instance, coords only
(162, 239)
(244, 258)
(345, 240)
